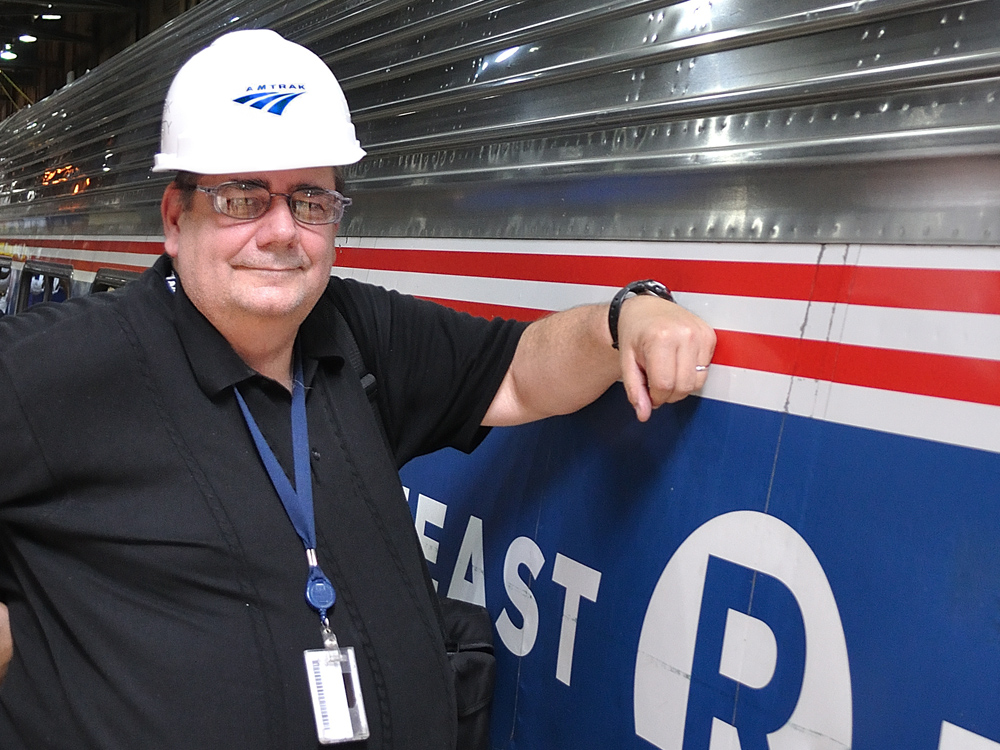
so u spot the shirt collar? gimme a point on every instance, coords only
(217, 367)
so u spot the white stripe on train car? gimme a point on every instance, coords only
(898, 339)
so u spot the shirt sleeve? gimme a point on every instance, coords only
(22, 468)
(437, 369)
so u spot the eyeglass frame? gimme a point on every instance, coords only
(213, 191)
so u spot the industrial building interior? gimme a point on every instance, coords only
(45, 44)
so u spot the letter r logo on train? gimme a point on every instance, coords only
(743, 617)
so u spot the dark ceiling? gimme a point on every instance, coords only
(86, 33)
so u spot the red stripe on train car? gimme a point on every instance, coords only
(142, 247)
(955, 290)
(484, 310)
(938, 375)
(917, 288)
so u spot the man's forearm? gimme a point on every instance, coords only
(566, 360)
(563, 362)
(6, 642)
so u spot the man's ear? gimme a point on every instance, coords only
(171, 210)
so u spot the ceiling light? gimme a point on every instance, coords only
(50, 16)
(8, 55)
(27, 38)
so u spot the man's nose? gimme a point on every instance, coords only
(278, 224)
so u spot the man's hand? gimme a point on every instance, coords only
(566, 360)
(665, 352)
(6, 641)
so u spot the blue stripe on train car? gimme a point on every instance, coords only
(727, 571)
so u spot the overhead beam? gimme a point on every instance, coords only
(33, 7)
(12, 30)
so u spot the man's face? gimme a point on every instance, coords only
(264, 269)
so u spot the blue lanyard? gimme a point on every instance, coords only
(298, 501)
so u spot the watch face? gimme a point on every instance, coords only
(654, 287)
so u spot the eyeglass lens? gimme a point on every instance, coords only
(242, 201)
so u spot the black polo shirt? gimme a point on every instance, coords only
(156, 582)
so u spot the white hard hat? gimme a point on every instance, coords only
(255, 102)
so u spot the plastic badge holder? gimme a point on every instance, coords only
(336, 695)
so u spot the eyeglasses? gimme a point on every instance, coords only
(246, 201)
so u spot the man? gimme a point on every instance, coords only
(156, 545)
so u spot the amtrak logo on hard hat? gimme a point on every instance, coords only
(272, 97)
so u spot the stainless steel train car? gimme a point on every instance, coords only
(807, 554)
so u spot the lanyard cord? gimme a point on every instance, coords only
(298, 501)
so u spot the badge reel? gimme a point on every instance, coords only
(334, 686)
(338, 706)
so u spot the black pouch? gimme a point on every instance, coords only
(468, 638)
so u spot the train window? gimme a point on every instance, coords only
(111, 278)
(4, 283)
(43, 282)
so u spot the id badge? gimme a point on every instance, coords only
(336, 695)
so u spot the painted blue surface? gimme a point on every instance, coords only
(905, 530)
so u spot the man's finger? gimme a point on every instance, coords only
(634, 380)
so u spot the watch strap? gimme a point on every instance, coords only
(646, 286)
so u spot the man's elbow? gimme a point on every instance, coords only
(508, 408)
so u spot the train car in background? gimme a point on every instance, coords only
(807, 554)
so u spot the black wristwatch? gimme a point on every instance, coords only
(648, 286)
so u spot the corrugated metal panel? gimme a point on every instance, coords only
(858, 121)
